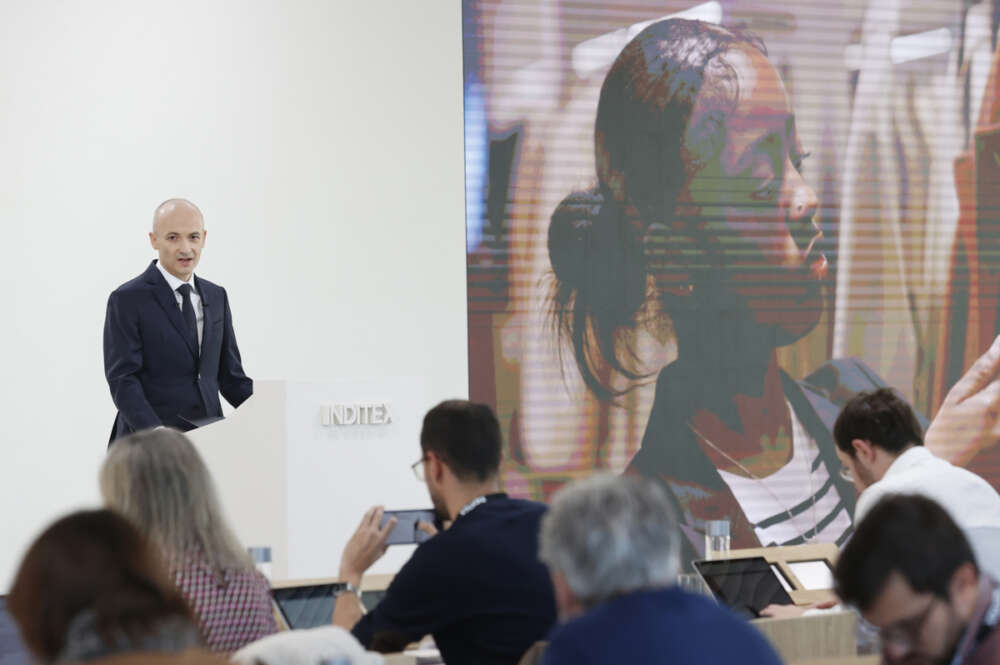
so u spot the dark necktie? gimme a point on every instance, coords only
(187, 309)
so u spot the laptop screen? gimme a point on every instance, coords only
(12, 650)
(745, 586)
(306, 606)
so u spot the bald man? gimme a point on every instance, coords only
(169, 346)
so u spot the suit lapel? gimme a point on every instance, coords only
(166, 299)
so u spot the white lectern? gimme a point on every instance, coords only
(298, 463)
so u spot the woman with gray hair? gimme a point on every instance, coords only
(157, 479)
(613, 549)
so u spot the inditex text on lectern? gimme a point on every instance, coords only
(298, 463)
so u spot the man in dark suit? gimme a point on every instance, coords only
(169, 346)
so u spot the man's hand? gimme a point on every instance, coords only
(969, 418)
(366, 546)
(783, 611)
(793, 611)
(427, 528)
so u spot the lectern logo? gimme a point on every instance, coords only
(355, 413)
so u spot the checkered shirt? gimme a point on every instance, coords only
(233, 608)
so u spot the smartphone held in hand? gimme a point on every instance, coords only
(406, 531)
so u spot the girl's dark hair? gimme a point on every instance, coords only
(600, 240)
(97, 561)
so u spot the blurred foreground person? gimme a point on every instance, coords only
(612, 547)
(911, 572)
(158, 480)
(92, 587)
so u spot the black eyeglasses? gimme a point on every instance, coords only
(418, 468)
(905, 634)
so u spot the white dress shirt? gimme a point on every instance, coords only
(971, 501)
(175, 283)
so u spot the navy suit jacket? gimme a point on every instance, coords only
(658, 627)
(155, 374)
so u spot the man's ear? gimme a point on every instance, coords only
(964, 589)
(863, 450)
(435, 467)
(152, 240)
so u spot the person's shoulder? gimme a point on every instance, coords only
(514, 513)
(138, 285)
(210, 286)
(526, 506)
(704, 619)
(973, 488)
(674, 612)
(930, 473)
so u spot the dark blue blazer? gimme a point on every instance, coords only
(659, 627)
(155, 374)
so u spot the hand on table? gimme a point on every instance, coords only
(792, 611)
(366, 546)
(783, 611)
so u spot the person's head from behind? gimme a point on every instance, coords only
(461, 446)
(606, 536)
(157, 479)
(178, 236)
(872, 430)
(911, 572)
(699, 191)
(93, 572)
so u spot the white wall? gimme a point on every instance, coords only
(321, 138)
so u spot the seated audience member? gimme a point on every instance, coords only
(613, 550)
(157, 479)
(91, 586)
(880, 445)
(311, 646)
(911, 572)
(478, 586)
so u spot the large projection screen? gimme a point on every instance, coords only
(695, 229)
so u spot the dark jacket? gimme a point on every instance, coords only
(477, 587)
(156, 375)
(658, 627)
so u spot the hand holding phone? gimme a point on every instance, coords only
(407, 531)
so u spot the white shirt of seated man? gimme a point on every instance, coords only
(969, 500)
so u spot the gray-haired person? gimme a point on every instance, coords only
(613, 550)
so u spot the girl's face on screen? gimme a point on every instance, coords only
(753, 207)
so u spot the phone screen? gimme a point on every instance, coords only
(406, 531)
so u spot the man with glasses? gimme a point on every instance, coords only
(478, 586)
(911, 572)
(880, 445)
